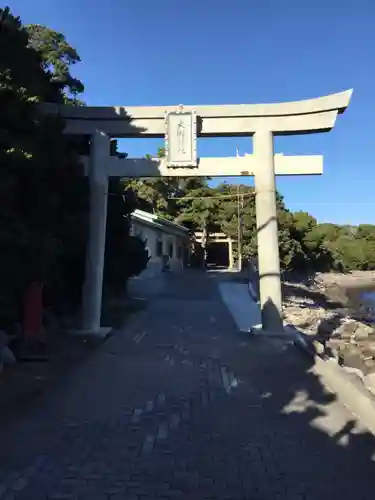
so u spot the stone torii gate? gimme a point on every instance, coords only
(180, 127)
(219, 238)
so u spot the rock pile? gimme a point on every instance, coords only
(346, 335)
(304, 314)
(349, 338)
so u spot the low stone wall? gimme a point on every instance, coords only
(253, 281)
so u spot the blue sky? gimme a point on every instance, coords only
(159, 52)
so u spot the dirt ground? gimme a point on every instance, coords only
(22, 384)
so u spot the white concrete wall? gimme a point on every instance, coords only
(155, 263)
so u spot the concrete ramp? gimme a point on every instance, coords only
(245, 312)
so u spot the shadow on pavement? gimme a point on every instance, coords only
(240, 418)
(307, 441)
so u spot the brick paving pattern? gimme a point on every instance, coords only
(180, 405)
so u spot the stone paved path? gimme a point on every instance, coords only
(180, 405)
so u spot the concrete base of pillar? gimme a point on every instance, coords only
(258, 331)
(102, 333)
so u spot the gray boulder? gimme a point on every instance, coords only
(351, 356)
(363, 331)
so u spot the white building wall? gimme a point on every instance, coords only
(169, 245)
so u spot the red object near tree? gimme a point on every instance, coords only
(33, 308)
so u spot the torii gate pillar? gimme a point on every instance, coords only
(267, 234)
(98, 187)
(230, 253)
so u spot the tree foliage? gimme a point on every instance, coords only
(29, 144)
(126, 255)
(57, 59)
(44, 195)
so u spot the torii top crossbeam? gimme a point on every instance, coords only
(285, 118)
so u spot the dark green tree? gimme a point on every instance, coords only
(58, 57)
(28, 141)
(126, 255)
